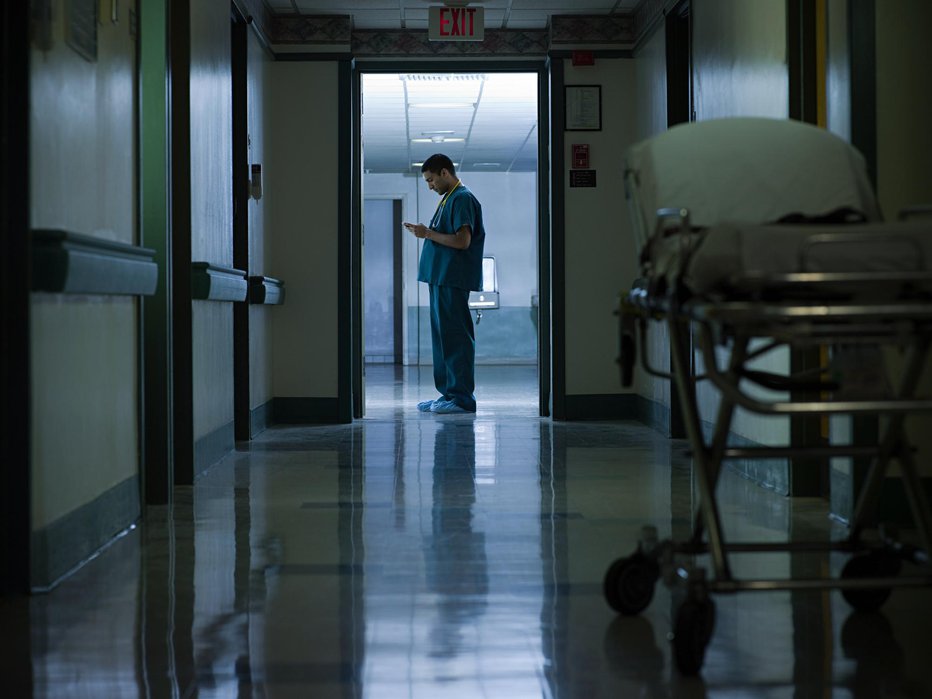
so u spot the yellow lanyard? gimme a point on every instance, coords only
(436, 218)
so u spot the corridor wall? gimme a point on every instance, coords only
(301, 192)
(904, 147)
(260, 254)
(739, 69)
(600, 257)
(85, 436)
(211, 227)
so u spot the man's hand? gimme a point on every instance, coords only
(419, 229)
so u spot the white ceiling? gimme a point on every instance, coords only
(495, 114)
(483, 121)
(412, 14)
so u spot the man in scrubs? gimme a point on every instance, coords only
(451, 265)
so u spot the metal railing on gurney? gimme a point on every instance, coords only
(832, 275)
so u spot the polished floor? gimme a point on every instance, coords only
(420, 556)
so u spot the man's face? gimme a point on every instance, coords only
(438, 181)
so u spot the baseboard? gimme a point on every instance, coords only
(63, 546)
(602, 406)
(212, 447)
(260, 418)
(893, 505)
(772, 474)
(305, 411)
(653, 414)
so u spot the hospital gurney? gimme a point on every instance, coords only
(732, 286)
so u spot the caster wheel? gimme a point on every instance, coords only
(876, 564)
(629, 583)
(692, 632)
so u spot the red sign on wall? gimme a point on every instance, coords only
(456, 24)
(580, 156)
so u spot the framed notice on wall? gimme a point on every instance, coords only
(583, 107)
(81, 27)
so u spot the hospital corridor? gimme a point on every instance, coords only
(480, 349)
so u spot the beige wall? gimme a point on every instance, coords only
(301, 191)
(739, 50)
(260, 262)
(904, 142)
(740, 69)
(600, 256)
(904, 105)
(211, 209)
(83, 349)
(837, 69)
(651, 70)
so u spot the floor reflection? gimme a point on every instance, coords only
(454, 552)
(411, 555)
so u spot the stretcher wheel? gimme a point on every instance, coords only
(692, 632)
(877, 564)
(629, 583)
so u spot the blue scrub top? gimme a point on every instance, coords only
(444, 266)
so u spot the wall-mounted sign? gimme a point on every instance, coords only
(580, 156)
(583, 58)
(456, 23)
(582, 178)
(81, 27)
(583, 107)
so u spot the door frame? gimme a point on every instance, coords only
(239, 47)
(398, 325)
(15, 266)
(353, 266)
(680, 109)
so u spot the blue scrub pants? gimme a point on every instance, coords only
(454, 345)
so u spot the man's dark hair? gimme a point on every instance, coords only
(436, 163)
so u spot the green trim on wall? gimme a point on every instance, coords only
(349, 247)
(212, 447)
(862, 49)
(210, 282)
(306, 411)
(260, 418)
(559, 408)
(15, 395)
(602, 406)
(544, 260)
(70, 541)
(181, 372)
(71, 263)
(772, 474)
(654, 414)
(892, 505)
(154, 233)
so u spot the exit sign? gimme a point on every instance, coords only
(456, 24)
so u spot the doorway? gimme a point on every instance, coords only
(489, 124)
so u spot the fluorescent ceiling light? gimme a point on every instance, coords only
(443, 105)
(429, 133)
(437, 139)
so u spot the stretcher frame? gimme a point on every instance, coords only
(822, 309)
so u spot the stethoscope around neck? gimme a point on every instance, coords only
(436, 217)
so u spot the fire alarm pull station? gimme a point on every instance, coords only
(580, 156)
(255, 182)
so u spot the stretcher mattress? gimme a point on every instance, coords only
(748, 170)
(736, 178)
(726, 253)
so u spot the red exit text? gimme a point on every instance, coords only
(457, 24)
